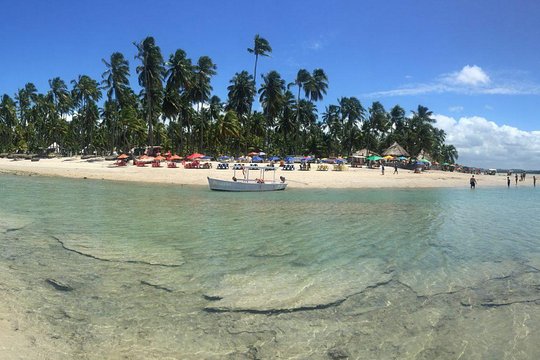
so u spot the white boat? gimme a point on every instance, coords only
(247, 183)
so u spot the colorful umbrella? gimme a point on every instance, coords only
(195, 156)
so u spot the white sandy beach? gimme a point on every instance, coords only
(350, 178)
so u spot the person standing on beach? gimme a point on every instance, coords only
(382, 169)
(516, 179)
(508, 180)
(534, 180)
(473, 182)
(395, 169)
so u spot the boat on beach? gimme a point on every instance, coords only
(247, 182)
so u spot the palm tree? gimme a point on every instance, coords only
(288, 125)
(240, 97)
(421, 131)
(60, 96)
(352, 113)
(150, 79)
(302, 78)
(179, 76)
(333, 122)
(316, 84)
(261, 47)
(241, 93)
(201, 89)
(179, 71)
(8, 123)
(85, 94)
(271, 99)
(116, 82)
(116, 78)
(26, 98)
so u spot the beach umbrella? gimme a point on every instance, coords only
(262, 153)
(289, 159)
(195, 156)
(402, 158)
(176, 157)
(253, 153)
(373, 158)
(159, 158)
(388, 157)
(223, 158)
(424, 160)
(123, 156)
(257, 159)
(275, 158)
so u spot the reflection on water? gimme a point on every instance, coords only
(181, 272)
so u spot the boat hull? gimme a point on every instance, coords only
(242, 186)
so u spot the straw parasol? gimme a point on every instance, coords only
(395, 150)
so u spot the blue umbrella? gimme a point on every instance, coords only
(221, 158)
(257, 159)
(275, 158)
(289, 159)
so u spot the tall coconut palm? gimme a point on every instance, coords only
(179, 71)
(201, 90)
(150, 79)
(26, 98)
(116, 77)
(60, 95)
(272, 99)
(8, 123)
(240, 97)
(316, 85)
(240, 93)
(352, 115)
(302, 78)
(85, 94)
(116, 82)
(261, 47)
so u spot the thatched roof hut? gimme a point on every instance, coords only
(395, 150)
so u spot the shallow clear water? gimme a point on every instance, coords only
(162, 271)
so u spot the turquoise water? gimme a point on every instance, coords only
(159, 271)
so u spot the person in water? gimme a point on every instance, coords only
(473, 182)
(508, 180)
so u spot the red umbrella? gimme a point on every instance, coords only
(195, 156)
(123, 156)
(176, 157)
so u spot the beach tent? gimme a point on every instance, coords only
(395, 150)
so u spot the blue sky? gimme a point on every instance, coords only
(475, 64)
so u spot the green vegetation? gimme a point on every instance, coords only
(176, 109)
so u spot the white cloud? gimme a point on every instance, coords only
(470, 75)
(470, 80)
(483, 143)
(456, 108)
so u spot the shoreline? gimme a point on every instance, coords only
(351, 178)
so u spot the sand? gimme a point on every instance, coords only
(350, 178)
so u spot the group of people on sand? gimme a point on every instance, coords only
(521, 178)
(472, 180)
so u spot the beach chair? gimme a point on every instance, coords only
(172, 165)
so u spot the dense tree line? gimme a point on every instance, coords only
(176, 109)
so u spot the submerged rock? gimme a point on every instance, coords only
(292, 290)
(60, 286)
